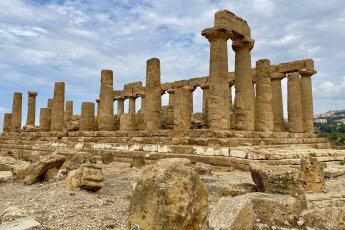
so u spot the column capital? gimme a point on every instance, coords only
(216, 33)
(205, 86)
(133, 96)
(32, 93)
(307, 72)
(171, 91)
(118, 98)
(243, 43)
(277, 76)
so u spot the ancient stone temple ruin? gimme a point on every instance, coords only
(227, 132)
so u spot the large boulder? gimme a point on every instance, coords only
(169, 195)
(38, 169)
(312, 175)
(88, 176)
(278, 179)
(232, 214)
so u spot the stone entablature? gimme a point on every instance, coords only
(282, 68)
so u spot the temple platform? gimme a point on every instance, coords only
(225, 148)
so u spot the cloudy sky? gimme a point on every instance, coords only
(44, 41)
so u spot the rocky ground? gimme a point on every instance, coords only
(56, 207)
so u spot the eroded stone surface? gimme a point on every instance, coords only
(169, 195)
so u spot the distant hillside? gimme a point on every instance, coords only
(332, 113)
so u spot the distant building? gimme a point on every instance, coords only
(320, 121)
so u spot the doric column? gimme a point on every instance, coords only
(131, 106)
(295, 115)
(45, 119)
(69, 108)
(218, 104)
(50, 103)
(16, 119)
(205, 97)
(142, 108)
(171, 93)
(307, 99)
(7, 122)
(182, 107)
(87, 117)
(244, 96)
(153, 100)
(263, 100)
(58, 110)
(277, 102)
(120, 105)
(31, 114)
(106, 104)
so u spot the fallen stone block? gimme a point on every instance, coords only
(169, 195)
(203, 169)
(333, 172)
(88, 177)
(278, 180)
(77, 159)
(330, 218)
(232, 213)
(50, 174)
(20, 224)
(312, 175)
(38, 169)
(6, 176)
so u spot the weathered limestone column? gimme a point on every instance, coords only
(142, 108)
(58, 109)
(131, 104)
(171, 93)
(106, 104)
(244, 96)
(31, 114)
(45, 119)
(263, 99)
(16, 119)
(153, 99)
(182, 107)
(295, 115)
(87, 117)
(7, 122)
(307, 99)
(218, 104)
(69, 108)
(120, 106)
(277, 102)
(50, 103)
(205, 95)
